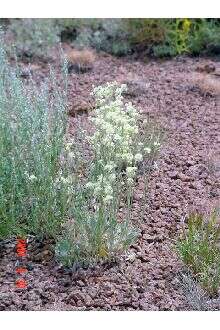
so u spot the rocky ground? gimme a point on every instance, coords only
(186, 178)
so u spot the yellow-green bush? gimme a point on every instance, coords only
(146, 31)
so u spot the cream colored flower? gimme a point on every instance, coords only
(130, 171)
(147, 150)
(32, 177)
(138, 157)
(107, 199)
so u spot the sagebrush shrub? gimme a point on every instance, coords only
(32, 134)
(109, 34)
(33, 37)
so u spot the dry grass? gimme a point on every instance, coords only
(81, 60)
(208, 68)
(208, 84)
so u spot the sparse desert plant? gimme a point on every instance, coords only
(199, 250)
(80, 60)
(33, 194)
(101, 226)
(112, 37)
(109, 35)
(33, 37)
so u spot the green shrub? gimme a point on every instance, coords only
(70, 24)
(176, 38)
(33, 37)
(32, 132)
(101, 224)
(189, 36)
(204, 37)
(199, 250)
(161, 37)
(107, 35)
(146, 32)
(114, 38)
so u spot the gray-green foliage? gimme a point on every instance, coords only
(34, 36)
(199, 250)
(107, 35)
(32, 132)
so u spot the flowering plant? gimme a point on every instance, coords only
(97, 231)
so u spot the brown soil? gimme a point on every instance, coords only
(186, 179)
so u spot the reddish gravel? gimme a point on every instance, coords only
(186, 178)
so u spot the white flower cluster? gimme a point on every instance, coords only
(64, 182)
(114, 139)
(116, 125)
(130, 172)
(102, 187)
(106, 93)
(30, 177)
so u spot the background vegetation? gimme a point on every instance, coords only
(155, 37)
